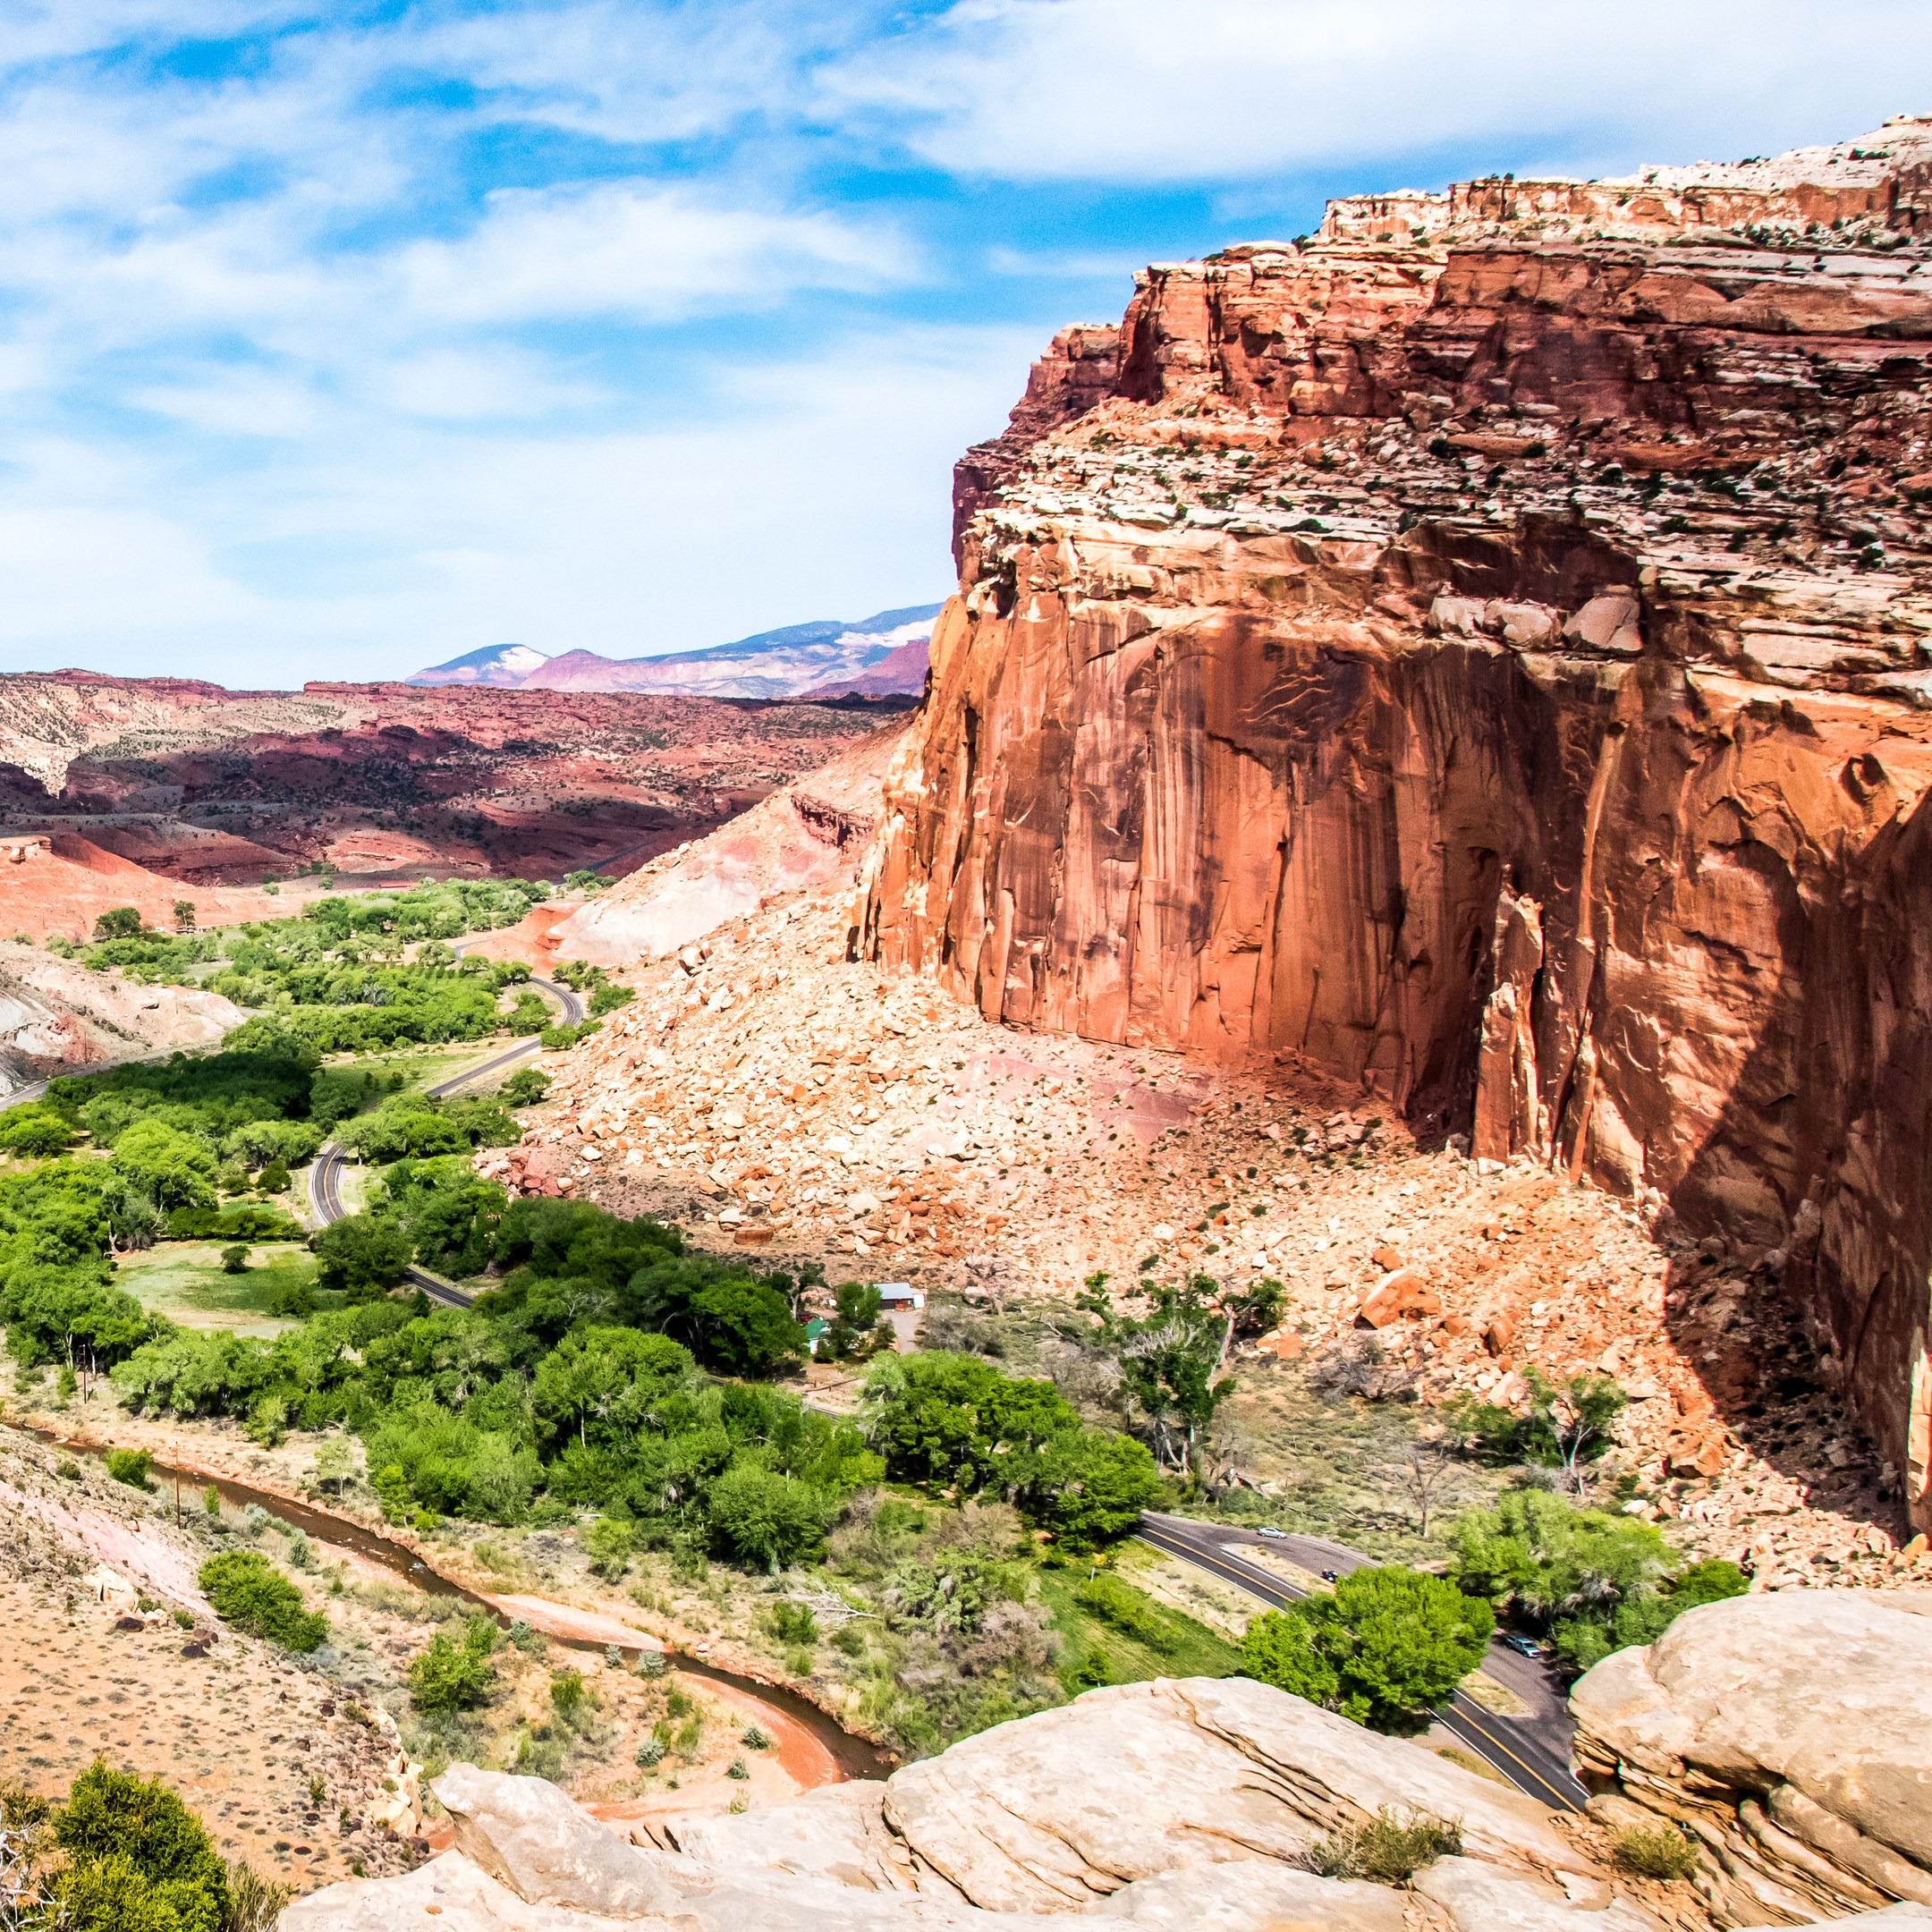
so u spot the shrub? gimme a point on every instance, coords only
(139, 1859)
(526, 1086)
(275, 1179)
(608, 1544)
(250, 1592)
(449, 1676)
(130, 1466)
(295, 1298)
(568, 1696)
(254, 1902)
(794, 1624)
(1127, 1610)
(234, 1258)
(1088, 1673)
(34, 1132)
(1662, 1852)
(1386, 1850)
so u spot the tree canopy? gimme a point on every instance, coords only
(1382, 1649)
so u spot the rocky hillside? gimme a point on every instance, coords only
(56, 1016)
(1205, 1804)
(386, 781)
(1480, 655)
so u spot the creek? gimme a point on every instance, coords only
(854, 1757)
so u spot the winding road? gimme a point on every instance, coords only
(325, 1175)
(1533, 1752)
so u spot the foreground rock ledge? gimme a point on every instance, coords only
(1791, 1735)
(1173, 1806)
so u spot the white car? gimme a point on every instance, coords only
(1267, 1530)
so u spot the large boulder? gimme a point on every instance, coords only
(527, 1835)
(1051, 1813)
(1171, 1806)
(1790, 1733)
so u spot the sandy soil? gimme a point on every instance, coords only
(237, 1727)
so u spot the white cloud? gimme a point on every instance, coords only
(813, 486)
(629, 71)
(360, 353)
(623, 248)
(1140, 91)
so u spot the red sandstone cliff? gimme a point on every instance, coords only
(1483, 652)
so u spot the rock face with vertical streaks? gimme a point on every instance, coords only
(1485, 652)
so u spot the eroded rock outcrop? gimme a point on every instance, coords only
(1792, 1735)
(57, 1017)
(1172, 1804)
(1183, 1805)
(1483, 653)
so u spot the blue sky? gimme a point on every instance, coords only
(335, 340)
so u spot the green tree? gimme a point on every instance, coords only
(449, 1676)
(34, 1132)
(1562, 1425)
(1382, 1649)
(955, 1422)
(335, 1463)
(1547, 1558)
(361, 1253)
(139, 1859)
(1093, 1486)
(184, 915)
(392, 1486)
(855, 1321)
(174, 1169)
(121, 922)
(234, 1258)
(526, 1086)
(762, 1517)
(250, 1592)
(604, 1385)
(1171, 1364)
(745, 1326)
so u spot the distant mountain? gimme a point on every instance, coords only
(901, 670)
(879, 655)
(503, 666)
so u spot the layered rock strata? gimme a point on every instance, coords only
(1791, 1736)
(1484, 653)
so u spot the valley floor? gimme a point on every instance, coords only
(773, 1095)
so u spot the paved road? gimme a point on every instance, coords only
(325, 1175)
(1533, 1753)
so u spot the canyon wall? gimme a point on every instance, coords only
(1483, 652)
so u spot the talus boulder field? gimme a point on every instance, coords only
(1484, 653)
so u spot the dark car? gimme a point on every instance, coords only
(1330, 1576)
